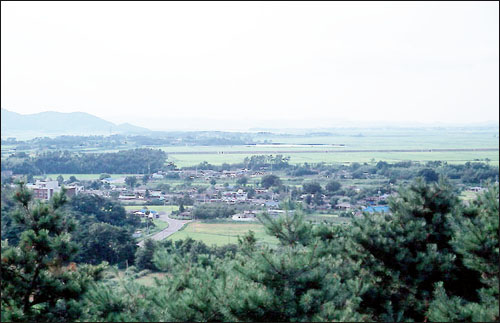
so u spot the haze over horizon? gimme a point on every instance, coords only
(238, 125)
(235, 66)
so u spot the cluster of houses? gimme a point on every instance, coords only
(215, 193)
(262, 199)
(206, 174)
(151, 214)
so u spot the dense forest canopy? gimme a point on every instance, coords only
(133, 161)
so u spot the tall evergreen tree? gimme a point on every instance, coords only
(39, 283)
(476, 240)
(294, 282)
(408, 251)
(144, 255)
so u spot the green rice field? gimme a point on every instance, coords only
(460, 157)
(221, 233)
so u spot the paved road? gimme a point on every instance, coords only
(173, 227)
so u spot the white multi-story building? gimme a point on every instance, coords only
(44, 190)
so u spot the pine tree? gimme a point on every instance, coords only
(476, 240)
(120, 298)
(410, 250)
(39, 283)
(199, 291)
(144, 255)
(293, 282)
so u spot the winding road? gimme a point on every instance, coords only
(173, 226)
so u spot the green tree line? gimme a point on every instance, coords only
(133, 161)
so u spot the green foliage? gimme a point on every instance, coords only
(119, 299)
(133, 161)
(476, 240)
(100, 218)
(164, 188)
(409, 251)
(93, 208)
(11, 230)
(270, 180)
(131, 181)
(333, 186)
(144, 255)
(104, 176)
(432, 258)
(429, 175)
(257, 162)
(91, 212)
(290, 229)
(318, 199)
(311, 188)
(213, 211)
(242, 181)
(39, 283)
(300, 281)
(109, 243)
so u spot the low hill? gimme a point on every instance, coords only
(57, 123)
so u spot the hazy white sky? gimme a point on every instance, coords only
(220, 65)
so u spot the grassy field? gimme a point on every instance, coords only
(468, 195)
(328, 215)
(383, 138)
(221, 233)
(148, 280)
(360, 157)
(416, 138)
(354, 139)
(351, 138)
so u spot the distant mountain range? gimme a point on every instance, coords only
(51, 124)
(57, 123)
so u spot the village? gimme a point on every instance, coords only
(241, 188)
(322, 195)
